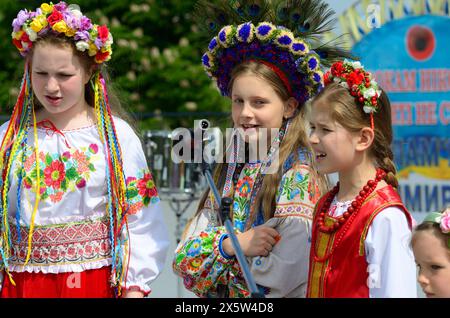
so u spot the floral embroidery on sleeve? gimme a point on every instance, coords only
(297, 194)
(294, 185)
(59, 173)
(141, 191)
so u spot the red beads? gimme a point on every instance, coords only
(352, 209)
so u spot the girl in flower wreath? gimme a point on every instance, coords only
(361, 228)
(268, 70)
(431, 246)
(80, 214)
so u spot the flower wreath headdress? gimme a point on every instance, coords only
(359, 82)
(441, 218)
(64, 20)
(283, 35)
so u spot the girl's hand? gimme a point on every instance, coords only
(257, 241)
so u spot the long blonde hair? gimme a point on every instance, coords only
(344, 110)
(295, 138)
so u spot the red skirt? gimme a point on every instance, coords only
(92, 283)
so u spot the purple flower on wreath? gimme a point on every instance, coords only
(85, 23)
(82, 35)
(213, 44)
(70, 20)
(206, 60)
(245, 32)
(285, 40)
(98, 43)
(298, 48)
(312, 63)
(317, 78)
(60, 6)
(264, 29)
(222, 36)
(22, 16)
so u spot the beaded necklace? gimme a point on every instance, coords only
(347, 218)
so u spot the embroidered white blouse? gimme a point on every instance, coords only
(392, 269)
(72, 231)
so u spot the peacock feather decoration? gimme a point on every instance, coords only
(285, 35)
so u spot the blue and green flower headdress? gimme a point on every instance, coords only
(284, 35)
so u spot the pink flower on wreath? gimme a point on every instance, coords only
(54, 174)
(147, 187)
(445, 221)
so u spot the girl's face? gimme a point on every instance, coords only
(256, 105)
(334, 146)
(433, 259)
(58, 80)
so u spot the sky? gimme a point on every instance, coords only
(340, 5)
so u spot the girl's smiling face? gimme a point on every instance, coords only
(333, 145)
(256, 105)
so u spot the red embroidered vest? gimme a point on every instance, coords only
(337, 264)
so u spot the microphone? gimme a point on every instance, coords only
(203, 124)
(224, 204)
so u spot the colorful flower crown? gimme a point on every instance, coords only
(275, 46)
(360, 83)
(62, 19)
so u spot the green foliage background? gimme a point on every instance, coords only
(155, 66)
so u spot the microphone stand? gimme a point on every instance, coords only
(224, 215)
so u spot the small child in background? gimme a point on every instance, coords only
(431, 246)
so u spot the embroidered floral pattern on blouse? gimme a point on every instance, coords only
(141, 191)
(199, 260)
(294, 185)
(242, 193)
(71, 243)
(59, 173)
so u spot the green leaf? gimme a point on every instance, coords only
(146, 201)
(64, 185)
(132, 192)
(72, 174)
(91, 167)
(48, 159)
